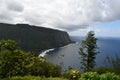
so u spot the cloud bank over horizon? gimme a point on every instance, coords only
(67, 15)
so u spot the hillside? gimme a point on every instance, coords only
(34, 38)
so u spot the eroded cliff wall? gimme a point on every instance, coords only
(34, 37)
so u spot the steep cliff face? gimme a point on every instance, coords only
(33, 37)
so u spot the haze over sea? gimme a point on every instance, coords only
(69, 55)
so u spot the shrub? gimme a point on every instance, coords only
(64, 74)
(16, 62)
(43, 68)
(90, 76)
(20, 63)
(102, 70)
(32, 78)
(74, 74)
(96, 76)
(13, 63)
(109, 76)
(8, 44)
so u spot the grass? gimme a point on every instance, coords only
(83, 76)
(33, 78)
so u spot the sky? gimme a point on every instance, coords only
(77, 17)
(105, 29)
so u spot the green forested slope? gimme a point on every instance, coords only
(33, 37)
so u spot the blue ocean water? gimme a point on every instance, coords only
(69, 55)
(107, 47)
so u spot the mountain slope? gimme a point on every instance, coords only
(34, 38)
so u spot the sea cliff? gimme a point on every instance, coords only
(34, 38)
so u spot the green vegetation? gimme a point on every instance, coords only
(109, 76)
(90, 76)
(96, 76)
(74, 74)
(33, 78)
(84, 76)
(103, 70)
(33, 38)
(88, 51)
(16, 62)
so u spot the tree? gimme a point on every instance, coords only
(16, 62)
(8, 45)
(88, 51)
(12, 59)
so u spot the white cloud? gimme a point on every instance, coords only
(14, 5)
(10, 10)
(60, 14)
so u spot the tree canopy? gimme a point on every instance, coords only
(88, 51)
(16, 62)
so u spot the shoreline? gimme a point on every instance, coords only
(43, 53)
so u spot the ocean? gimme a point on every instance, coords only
(68, 56)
